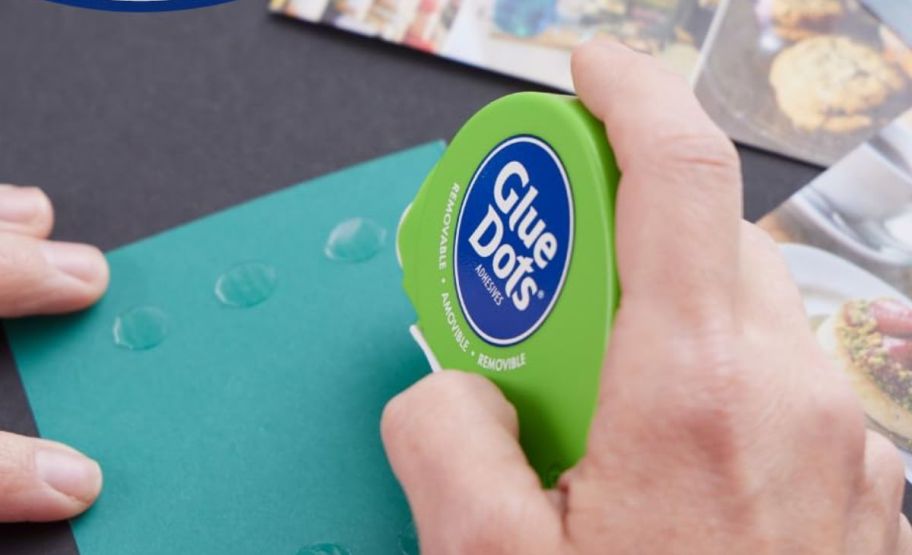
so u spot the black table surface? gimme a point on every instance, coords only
(134, 123)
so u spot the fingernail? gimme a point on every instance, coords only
(79, 261)
(71, 474)
(20, 205)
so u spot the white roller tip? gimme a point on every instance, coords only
(419, 339)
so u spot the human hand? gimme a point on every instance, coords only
(721, 425)
(42, 480)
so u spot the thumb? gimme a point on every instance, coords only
(43, 480)
(452, 442)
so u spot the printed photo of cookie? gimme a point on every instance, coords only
(798, 19)
(832, 83)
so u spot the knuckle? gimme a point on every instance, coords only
(829, 418)
(759, 239)
(884, 464)
(710, 360)
(838, 415)
(490, 528)
(13, 462)
(482, 535)
(713, 429)
(698, 153)
(707, 406)
(15, 258)
(19, 264)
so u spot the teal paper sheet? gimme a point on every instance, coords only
(246, 430)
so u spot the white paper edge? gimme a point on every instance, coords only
(419, 339)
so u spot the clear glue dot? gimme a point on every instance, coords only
(355, 240)
(408, 541)
(140, 328)
(324, 549)
(246, 285)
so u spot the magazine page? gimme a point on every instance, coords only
(810, 80)
(895, 14)
(529, 39)
(847, 240)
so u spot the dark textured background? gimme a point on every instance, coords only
(137, 122)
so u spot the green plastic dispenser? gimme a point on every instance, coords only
(508, 257)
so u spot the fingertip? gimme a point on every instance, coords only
(602, 61)
(77, 479)
(452, 443)
(465, 391)
(102, 277)
(583, 56)
(48, 277)
(43, 481)
(599, 46)
(438, 403)
(43, 222)
(401, 411)
(25, 211)
(84, 265)
(585, 63)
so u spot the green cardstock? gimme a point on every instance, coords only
(248, 429)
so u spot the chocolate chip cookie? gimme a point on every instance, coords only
(832, 83)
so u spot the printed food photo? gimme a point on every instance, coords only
(871, 341)
(815, 78)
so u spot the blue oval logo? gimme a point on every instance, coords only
(140, 5)
(514, 237)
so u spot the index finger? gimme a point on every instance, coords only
(679, 202)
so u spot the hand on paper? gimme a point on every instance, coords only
(42, 480)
